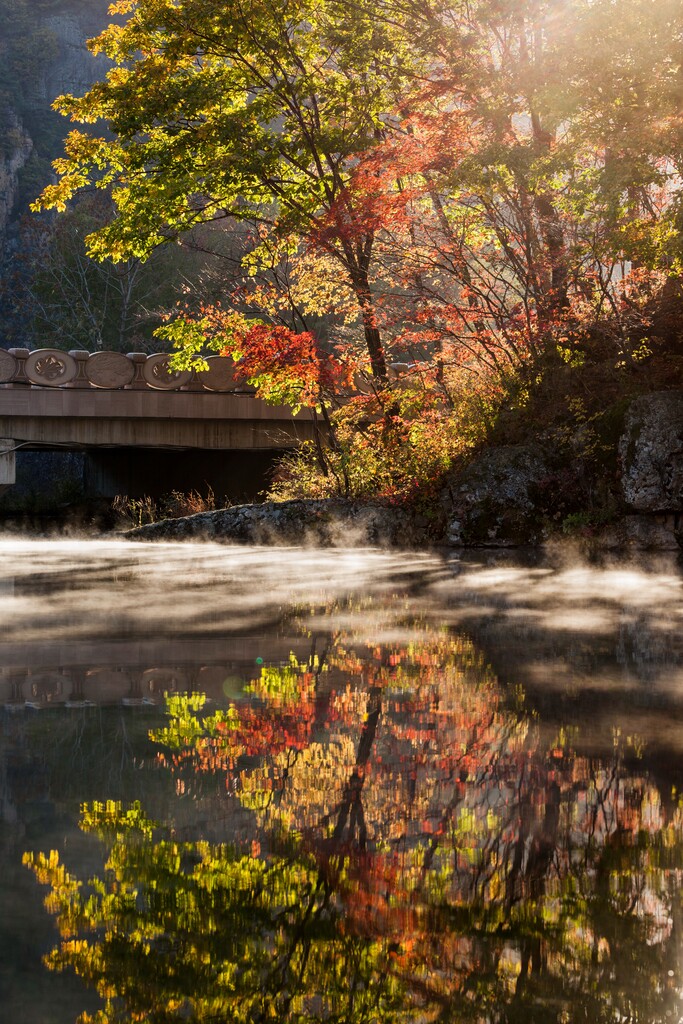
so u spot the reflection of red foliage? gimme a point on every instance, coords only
(422, 778)
(271, 730)
(430, 808)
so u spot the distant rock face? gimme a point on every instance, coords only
(75, 69)
(651, 453)
(72, 69)
(11, 165)
(491, 503)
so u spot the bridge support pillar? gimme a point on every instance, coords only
(8, 468)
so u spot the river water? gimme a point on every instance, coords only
(242, 784)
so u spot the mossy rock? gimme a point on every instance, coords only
(491, 502)
(651, 453)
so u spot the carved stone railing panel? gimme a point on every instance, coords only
(159, 375)
(8, 366)
(50, 367)
(113, 371)
(109, 370)
(220, 376)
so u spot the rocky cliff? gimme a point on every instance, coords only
(17, 151)
(43, 53)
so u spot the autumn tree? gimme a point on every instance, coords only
(223, 111)
(531, 227)
(518, 172)
(517, 207)
(475, 189)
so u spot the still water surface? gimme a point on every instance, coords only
(358, 786)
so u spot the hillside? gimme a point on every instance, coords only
(42, 53)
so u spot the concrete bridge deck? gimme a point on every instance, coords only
(108, 400)
(147, 419)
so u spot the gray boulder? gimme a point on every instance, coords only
(651, 453)
(639, 533)
(329, 523)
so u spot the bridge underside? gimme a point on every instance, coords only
(47, 480)
(233, 476)
(139, 443)
(93, 419)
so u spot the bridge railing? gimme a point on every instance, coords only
(111, 371)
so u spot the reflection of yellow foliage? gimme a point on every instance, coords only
(196, 931)
(286, 684)
(422, 791)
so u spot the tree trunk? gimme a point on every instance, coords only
(551, 228)
(373, 342)
(363, 292)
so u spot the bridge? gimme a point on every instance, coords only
(103, 401)
(133, 671)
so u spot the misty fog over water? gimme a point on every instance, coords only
(429, 689)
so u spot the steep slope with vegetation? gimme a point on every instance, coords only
(51, 292)
(43, 53)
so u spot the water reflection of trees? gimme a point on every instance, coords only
(414, 853)
(195, 931)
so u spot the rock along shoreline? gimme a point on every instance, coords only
(506, 496)
(335, 523)
(323, 523)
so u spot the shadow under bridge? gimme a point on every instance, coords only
(128, 424)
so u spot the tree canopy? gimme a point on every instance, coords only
(471, 191)
(230, 110)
